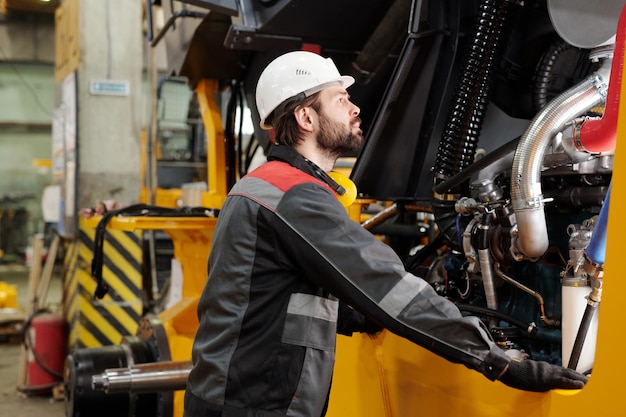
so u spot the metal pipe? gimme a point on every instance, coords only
(550, 322)
(486, 267)
(143, 378)
(527, 200)
(380, 217)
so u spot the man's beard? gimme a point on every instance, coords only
(337, 139)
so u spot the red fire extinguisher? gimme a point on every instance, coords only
(45, 341)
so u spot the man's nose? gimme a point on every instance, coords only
(355, 110)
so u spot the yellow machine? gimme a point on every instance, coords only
(515, 232)
(8, 295)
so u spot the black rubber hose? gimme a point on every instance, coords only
(585, 323)
(483, 233)
(230, 136)
(421, 255)
(544, 73)
(393, 229)
(391, 30)
(469, 106)
(494, 156)
(526, 327)
(445, 217)
(97, 262)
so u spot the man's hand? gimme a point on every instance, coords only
(540, 376)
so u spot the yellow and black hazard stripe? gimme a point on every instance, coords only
(92, 322)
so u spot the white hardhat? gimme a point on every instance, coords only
(294, 73)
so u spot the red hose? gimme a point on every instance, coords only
(599, 135)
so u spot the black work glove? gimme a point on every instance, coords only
(350, 321)
(540, 376)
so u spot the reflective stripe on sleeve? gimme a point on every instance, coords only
(401, 294)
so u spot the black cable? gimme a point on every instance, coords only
(37, 388)
(251, 148)
(526, 327)
(231, 136)
(102, 287)
(240, 100)
(421, 255)
(27, 343)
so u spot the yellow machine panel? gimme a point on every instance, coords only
(92, 322)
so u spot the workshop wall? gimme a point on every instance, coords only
(27, 94)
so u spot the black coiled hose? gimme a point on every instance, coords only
(469, 105)
(561, 66)
(544, 73)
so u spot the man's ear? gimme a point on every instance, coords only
(306, 117)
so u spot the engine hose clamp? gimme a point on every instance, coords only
(577, 128)
(600, 85)
(533, 203)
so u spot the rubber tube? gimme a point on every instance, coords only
(596, 250)
(599, 135)
(469, 106)
(388, 33)
(482, 163)
(544, 73)
(526, 327)
(585, 323)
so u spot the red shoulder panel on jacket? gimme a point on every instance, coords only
(283, 175)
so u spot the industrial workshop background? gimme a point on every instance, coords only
(491, 151)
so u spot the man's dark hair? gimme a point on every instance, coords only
(285, 126)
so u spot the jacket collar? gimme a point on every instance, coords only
(292, 157)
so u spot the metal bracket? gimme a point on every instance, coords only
(243, 37)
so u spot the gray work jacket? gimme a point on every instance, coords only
(284, 252)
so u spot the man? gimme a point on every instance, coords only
(285, 252)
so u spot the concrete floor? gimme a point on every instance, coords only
(14, 403)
